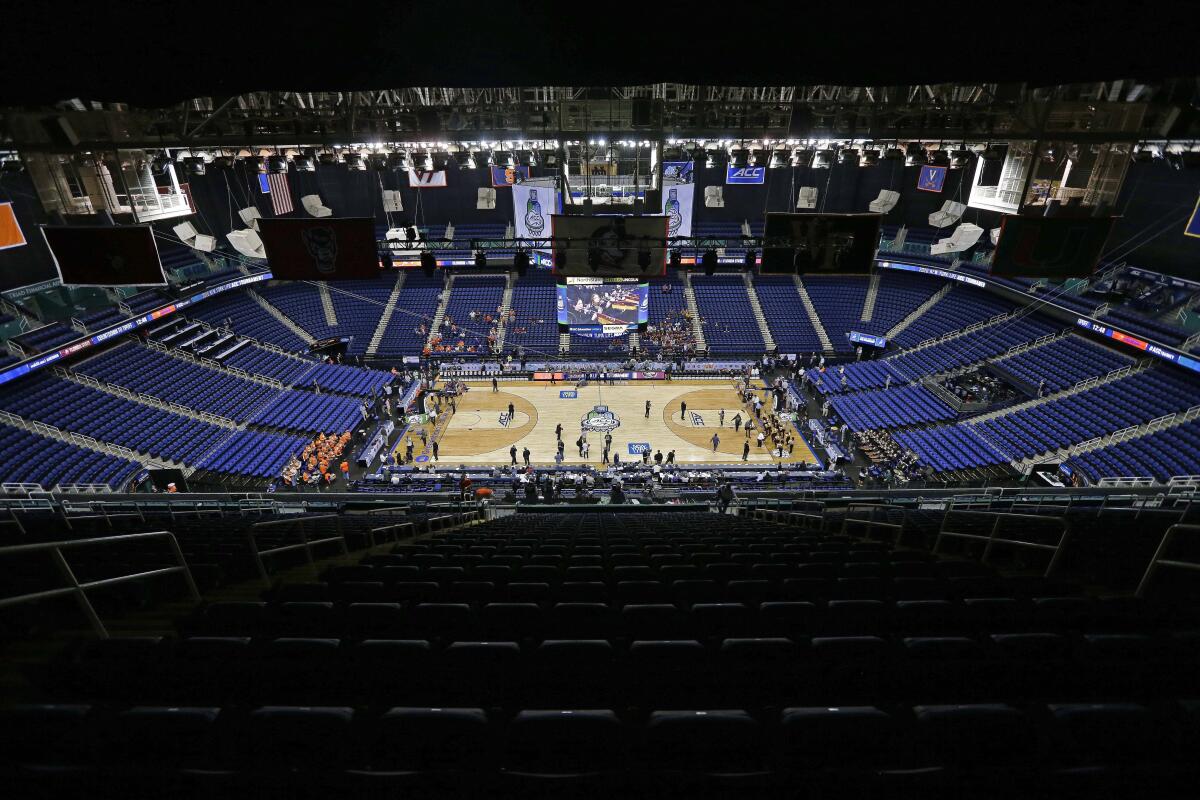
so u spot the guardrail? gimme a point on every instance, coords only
(1158, 560)
(79, 590)
(993, 538)
(305, 544)
(871, 522)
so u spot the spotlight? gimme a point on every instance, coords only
(354, 161)
(870, 158)
(255, 164)
(13, 166)
(428, 263)
(303, 164)
(939, 158)
(994, 152)
(823, 159)
(397, 161)
(779, 159)
(465, 160)
(959, 158)
(893, 154)
(802, 157)
(276, 164)
(439, 160)
(193, 165)
(848, 156)
(503, 158)
(709, 261)
(327, 159)
(1143, 156)
(480, 259)
(421, 161)
(739, 157)
(676, 257)
(915, 154)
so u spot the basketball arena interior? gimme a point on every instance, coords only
(499, 431)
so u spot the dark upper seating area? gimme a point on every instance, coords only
(602, 655)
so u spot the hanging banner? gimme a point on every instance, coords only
(532, 207)
(678, 171)
(931, 179)
(745, 175)
(10, 230)
(508, 176)
(677, 207)
(427, 180)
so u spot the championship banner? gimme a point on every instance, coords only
(532, 207)
(599, 169)
(427, 180)
(10, 230)
(677, 207)
(508, 176)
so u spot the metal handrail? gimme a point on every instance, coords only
(993, 537)
(870, 522)
(305, 543)
(79, 590)
(1157, 559)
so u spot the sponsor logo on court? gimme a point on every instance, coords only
(504, 419)
(568, 394)
(697, 419)
(786, 416)
(637, 448)
(422, 459)
(600, 418)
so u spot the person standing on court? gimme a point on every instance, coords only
(558, 434)
(745, 450)
(511, 412)
(558, 457)
(495, 385)
(579, 444)
(721, 418)
(525, 455)
(561, 447)
(647, 409)
(658, 457)
(737, 422)
(716, 440)
(682, 409)
(584, 450)
(604, 454)
(512, 451)
(670, 456)
(435, 450)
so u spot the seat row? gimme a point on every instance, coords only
(978, 750)
(520, 619)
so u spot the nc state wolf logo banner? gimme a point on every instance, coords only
(325, 249)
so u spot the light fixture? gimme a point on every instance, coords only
(823, 159)
(870, 158)
(303, 164)
(893, 154)
(277, 164)
(398, 161)
(915, 154)
(193, 165)
(939, 158)
(779, 159)
(959, 158)
(848, 156)
(739, 157)
(354, 161)
(802, 157)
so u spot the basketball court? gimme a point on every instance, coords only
(481, 432)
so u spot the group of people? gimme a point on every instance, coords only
(672, 333)
(319, 463)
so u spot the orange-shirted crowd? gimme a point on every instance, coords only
(320, 462)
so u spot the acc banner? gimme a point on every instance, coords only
(427, 180)
(677, 207)
(744, 175)
(532, 207)
(508, 176)
(10, 230)
(931, 179)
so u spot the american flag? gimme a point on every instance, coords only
(276, 185)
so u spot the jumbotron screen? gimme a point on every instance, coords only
(602, 301)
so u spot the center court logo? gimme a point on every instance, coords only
(697, 420)
(601, 419)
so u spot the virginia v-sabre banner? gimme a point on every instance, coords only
(677, 207)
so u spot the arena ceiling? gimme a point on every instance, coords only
(150, 55)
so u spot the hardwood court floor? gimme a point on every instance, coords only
(475, 434)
